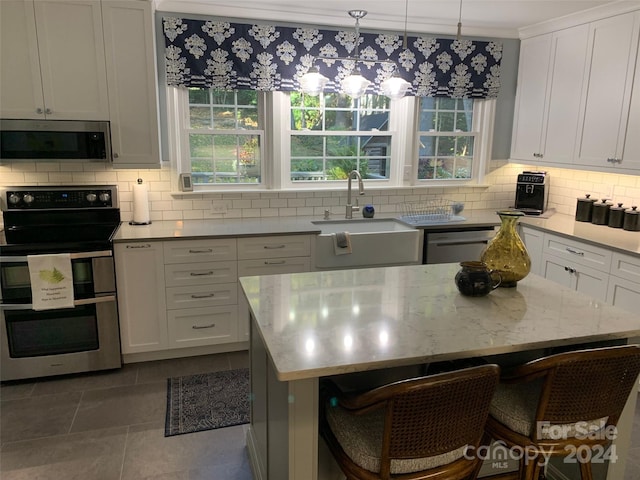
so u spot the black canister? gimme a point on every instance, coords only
(584, 208)
(601, 213)
(616, 216)
(632, 220)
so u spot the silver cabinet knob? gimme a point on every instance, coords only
(39, 111)
(48, 111)
(115, 155)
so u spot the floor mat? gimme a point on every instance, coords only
(206, 401)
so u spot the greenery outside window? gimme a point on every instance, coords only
(225, 137)
(332, 134)
(446, 139)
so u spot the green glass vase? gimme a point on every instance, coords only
(506, 252)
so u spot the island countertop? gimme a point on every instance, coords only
(333, 322)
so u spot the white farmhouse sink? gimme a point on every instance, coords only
(374, 242)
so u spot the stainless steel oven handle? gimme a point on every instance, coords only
(82, 301)
(74, 256)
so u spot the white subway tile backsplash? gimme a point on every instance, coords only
(497, 192)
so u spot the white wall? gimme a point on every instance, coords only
(566, 187)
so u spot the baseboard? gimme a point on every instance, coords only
(184, 352)
(254, 461)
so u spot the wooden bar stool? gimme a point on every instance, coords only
(555, 405)
(423, 428)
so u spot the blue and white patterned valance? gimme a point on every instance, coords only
(235, 56)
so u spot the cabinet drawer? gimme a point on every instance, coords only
(626, 266)
(578, 252)
(179, 274)
(196, 251)
(202, 295)
(275, 246)
(247, 268)
(202, 326)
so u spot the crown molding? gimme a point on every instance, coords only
(317, 16)
(586, 16)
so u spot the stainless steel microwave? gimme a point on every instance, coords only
(55, 140)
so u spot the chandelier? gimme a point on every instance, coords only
(354, 84)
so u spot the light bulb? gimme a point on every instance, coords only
(313, 82)
(355, 85)
(394, 87)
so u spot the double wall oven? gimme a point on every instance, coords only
(44, 221)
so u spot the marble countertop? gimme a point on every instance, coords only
(621, 240)
(334, 322)
(616, 238)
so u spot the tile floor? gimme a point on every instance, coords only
(110, 426)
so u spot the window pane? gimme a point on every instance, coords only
(331, 153)
(445, 156)
(200, 117)
(305, 145)
(333, 157)
(222, 156)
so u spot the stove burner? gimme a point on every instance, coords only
(59, 219)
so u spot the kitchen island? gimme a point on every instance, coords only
(384, 322)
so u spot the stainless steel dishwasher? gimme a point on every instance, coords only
(456, 245)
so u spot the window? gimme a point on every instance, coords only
(333, 134)
(225, 138)
(276, 140)
(445, 139)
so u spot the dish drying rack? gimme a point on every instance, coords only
(432, 211)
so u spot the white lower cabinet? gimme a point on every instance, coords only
(185, 293)
(583, 279)
(603, 274)
(195, 327)
(269, 256)
(141, 296)
(534, 241)
(624, 282)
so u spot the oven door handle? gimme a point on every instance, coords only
(74, 256)
(82, 301)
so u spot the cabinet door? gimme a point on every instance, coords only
(131, 77)
(276, 246)
(141, 296)
(624, 294)
(20, 82)
(631, 153)
(531, 97)
(72, 61)
(199, 251)
(613, 43)
(194, 327)
(564, 92)
(583, 279)
(533, 240)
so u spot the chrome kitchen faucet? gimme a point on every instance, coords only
(351, 208)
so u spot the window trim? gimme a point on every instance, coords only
(276, 175)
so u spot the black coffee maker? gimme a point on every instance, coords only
(532, 192)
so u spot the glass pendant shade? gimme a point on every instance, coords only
(394, 87)
(355, 85)
(313, 82)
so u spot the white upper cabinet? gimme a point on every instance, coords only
(531, 98)
(613, 46)
(53, 63)
(549, 94)
(631, 152)
(131, 77)
(578, 102)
